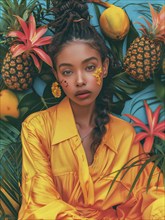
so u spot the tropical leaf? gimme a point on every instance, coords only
(10, 166)
(126, 167)
(46, 73)
(131, 36)
(9, 8)
(156, 162)
(2, 84)
(43, 14)
(3, 49)
(143, 166)
(97, 11)
(159, 82)
(10, 132)
(141, 163)
(123, 87)
(32, 102)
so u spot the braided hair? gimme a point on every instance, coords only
(72, 23)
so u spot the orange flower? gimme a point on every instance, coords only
(153, 129)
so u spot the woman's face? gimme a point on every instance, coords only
(80, 72)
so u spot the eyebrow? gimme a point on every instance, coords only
(84, 61)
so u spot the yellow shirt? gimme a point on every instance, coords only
(57, 182)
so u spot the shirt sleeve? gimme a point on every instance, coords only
(40, 199)
(151, 203)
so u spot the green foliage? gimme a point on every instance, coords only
(10, 166)
(3, 49)
(143, 160)
(9, 8)
(32, 102)
(122, 87)
(43, 13)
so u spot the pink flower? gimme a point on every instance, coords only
(29, 40)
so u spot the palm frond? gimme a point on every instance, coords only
(10, 166)
(126, 167)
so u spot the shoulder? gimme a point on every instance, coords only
(120, 129)
(41, 117)
(121, 133)
(117, 123)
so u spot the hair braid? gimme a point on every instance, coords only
(103, 108)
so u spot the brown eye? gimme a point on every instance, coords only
(91, 68)
(67, 72)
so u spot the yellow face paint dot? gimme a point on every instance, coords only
(97, 74)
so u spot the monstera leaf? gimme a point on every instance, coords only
(10, 166)
(32, 102)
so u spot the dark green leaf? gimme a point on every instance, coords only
(156, 162)
(8, 204)
(126, 167)
(143, 166)
(132, 35)
(159, 87)
(48, 97)
(97, 11)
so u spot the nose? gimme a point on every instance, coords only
(80, 79)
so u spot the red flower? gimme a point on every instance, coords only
(153, 129)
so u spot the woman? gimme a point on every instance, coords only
(71, 150)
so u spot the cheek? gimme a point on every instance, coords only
(98, 74)
(64, 83)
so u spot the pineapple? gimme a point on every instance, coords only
(144, 55)
(17, 66)
(16, 72)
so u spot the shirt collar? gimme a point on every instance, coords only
(65, 127)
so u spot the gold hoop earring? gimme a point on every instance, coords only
(56, 90)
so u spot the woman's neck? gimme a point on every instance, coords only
(84, 115)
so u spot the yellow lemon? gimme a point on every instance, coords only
(8, 104)
(114, 22)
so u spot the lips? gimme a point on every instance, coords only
(83, 94)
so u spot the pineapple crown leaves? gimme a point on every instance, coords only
(156, 29)
(29, 40)
(8, 8)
